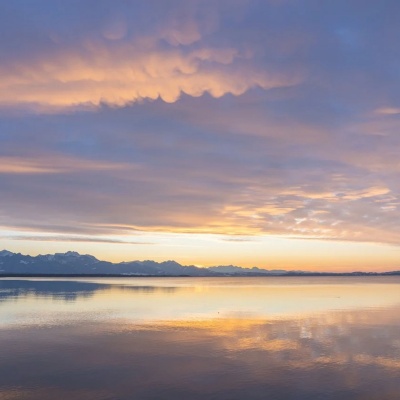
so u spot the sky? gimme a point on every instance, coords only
(255, 133)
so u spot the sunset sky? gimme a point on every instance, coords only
(256, 133)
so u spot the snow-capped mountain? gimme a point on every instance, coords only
(73, 263)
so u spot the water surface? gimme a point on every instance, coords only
(197, 338)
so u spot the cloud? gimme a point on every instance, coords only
(124, 173)
(97, 72)
(69, 238)
(388, 111)
(238, 239)
(55, 164)
(264, 119)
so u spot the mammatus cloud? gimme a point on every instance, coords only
(97, 73)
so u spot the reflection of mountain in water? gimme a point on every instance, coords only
(66, 290)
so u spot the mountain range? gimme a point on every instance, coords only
(73, 263)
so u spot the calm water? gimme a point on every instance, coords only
(200, 338)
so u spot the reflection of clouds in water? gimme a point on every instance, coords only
(337, 335)
(347, 354)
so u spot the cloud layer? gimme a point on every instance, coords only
(116, 67)
(235, 118)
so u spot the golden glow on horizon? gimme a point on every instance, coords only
(268, 252)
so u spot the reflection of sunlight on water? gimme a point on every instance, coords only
(125, 341)
(145, 299)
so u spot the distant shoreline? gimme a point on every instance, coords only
(288, 275)
(72, 264)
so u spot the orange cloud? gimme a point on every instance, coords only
(55, 165)
(98, 73)
(387, 110)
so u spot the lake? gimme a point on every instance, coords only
(200, 338)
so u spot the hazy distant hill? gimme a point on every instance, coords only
(73, 263)
(232, 269)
